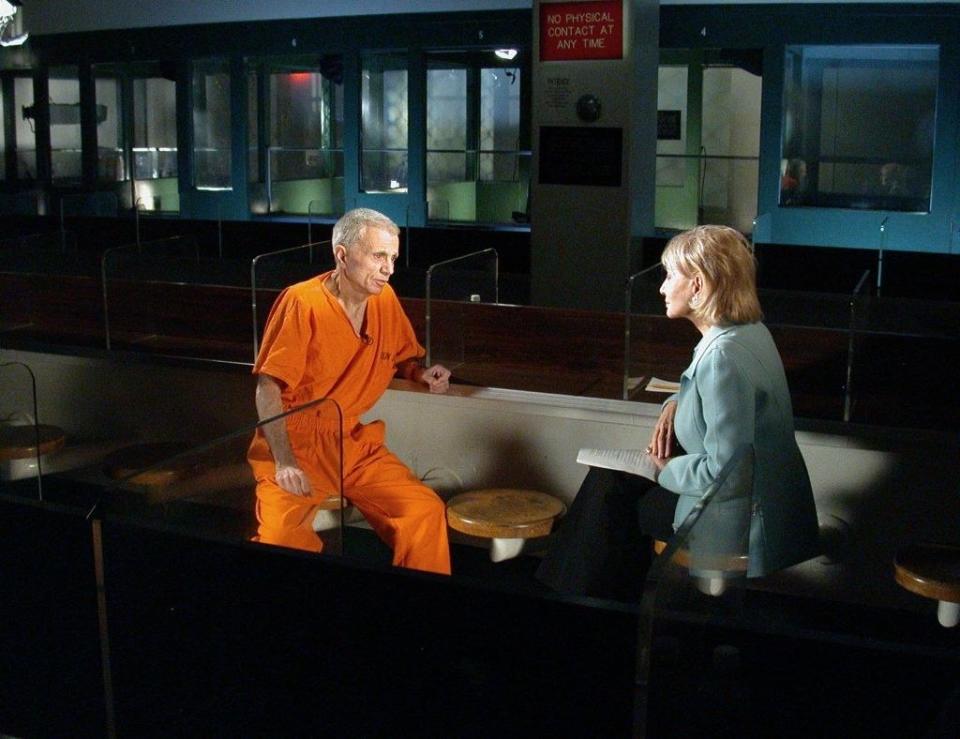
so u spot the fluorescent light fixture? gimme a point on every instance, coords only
(507, 54)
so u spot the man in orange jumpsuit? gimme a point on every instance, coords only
(343, 335)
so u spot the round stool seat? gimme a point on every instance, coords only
(931, 570)
(504, 513)
(330, 512)
(127, 461)
(332, 503)
(719, 562)
(20, 442)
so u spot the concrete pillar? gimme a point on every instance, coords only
(594, 147)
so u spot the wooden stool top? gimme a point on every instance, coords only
(128, 460)
(504, 513)
(720, 562)
(20, 442)
(930, 570)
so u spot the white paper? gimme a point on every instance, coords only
(656, 385)
(633, 461)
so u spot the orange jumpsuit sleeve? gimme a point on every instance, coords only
(283, 351)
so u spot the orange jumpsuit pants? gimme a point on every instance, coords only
(404, 513)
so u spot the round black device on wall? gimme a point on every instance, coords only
(588, 108)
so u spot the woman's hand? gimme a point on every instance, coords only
(661, 443)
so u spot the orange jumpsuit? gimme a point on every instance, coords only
(311, 349)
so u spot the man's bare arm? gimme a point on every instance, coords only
(288, 474)
(437, 377)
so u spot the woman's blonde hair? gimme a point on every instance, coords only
(725, 262)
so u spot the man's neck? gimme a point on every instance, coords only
(353, 302)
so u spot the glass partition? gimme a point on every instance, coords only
(273, 271)
(205, 488)
(24, 441)
(155, 296)
(898, 347)
(38, 271)
(471, 278)
(692, 587)
(812, 331)
(859, 321)
(649, 365)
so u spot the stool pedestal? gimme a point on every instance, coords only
(329, 512)
(505, 516)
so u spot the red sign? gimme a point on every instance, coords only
(583, 30)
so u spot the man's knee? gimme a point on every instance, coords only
(299, 537)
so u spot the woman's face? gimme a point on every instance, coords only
(677, 289)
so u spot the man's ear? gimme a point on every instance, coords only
(340, 253)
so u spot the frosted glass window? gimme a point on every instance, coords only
(306, 137)
(211, 126)
(858, 126)
(499, 123)
(25, 128)
(111, 166)
(155, 143)
(447, 155)
(66, 159)
(3, 144)
(384, 117)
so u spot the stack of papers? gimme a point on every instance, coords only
(656, 385)
(629, 460)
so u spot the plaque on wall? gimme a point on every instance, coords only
(580, 155)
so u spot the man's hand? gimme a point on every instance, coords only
(437, 378)
(293, 480)
(661, 443)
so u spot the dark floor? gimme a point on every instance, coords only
(214, 638)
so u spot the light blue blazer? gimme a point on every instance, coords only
(735, 392)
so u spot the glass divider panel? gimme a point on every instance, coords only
(154, 294)
(642, 309)
(24, 440)
(470, 278)
(900, 345)
(272, 271)
(859, 318)
(209, 489)
(693, 597)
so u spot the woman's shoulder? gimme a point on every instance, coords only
(739, 340)
(744, 333)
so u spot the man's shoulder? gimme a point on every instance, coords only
(309, 291)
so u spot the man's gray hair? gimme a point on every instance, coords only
(349, 228)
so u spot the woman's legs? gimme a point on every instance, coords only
(600, 548)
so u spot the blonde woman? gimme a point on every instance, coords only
(734, 392)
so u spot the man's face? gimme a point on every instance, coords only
(368, 264)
